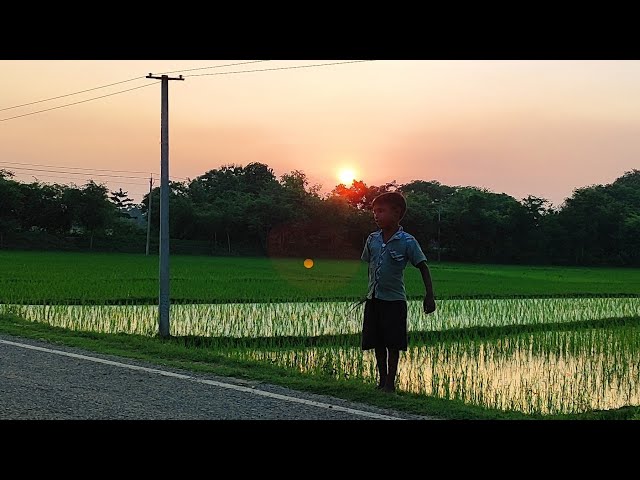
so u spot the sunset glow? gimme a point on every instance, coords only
(503, 125)
(346, 175)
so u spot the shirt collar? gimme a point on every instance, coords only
(395, 235)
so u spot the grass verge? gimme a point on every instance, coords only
(199, 356)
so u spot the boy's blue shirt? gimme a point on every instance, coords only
(388, 261)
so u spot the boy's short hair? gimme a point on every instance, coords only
(393, 199)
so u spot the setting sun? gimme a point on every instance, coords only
(346, 176)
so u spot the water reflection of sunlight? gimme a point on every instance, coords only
(548, 373)
(319, 318)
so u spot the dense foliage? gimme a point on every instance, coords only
(237, 210)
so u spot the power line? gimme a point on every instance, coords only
(279, 68)
(71, 180)
(90, 171)
(86, 174)
(216, 66)
(74, 168)
(77, 173)
(76, 103)
(69, 94)
(124, 81)
(196, 75)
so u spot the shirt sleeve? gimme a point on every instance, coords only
(366, 256)
(415, 253)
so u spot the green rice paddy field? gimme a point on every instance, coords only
(505, 341)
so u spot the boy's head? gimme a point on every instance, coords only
(388, 209)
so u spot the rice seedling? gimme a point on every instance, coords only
(273, 310)
(313, 319)
(83, 278)
(543, 373)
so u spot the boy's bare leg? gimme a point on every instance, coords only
(381, 359)
(390, 384)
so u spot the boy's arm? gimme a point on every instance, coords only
(429, 302)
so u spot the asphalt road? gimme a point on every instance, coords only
(40, 381)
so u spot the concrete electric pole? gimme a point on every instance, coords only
(163, 304)
(149, 214)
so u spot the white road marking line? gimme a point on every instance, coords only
(208, 382)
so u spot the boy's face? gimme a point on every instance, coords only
(385, 215)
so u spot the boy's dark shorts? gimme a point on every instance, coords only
(384, 324)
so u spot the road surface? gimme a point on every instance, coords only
(41, 381)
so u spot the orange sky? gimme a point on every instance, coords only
(519, 127)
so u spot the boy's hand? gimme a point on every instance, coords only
(429, 304)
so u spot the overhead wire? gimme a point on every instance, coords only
(136, 88)
(10, 165)
(120, 82)
(278, 68)
(75, 103)
(194, 75)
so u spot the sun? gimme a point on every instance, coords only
(346, 175)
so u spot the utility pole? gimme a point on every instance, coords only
(438, 206)
(439, 246)
(163, 304)
(149, 213)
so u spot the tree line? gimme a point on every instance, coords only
(236, 210)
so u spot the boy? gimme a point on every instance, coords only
(387, 251)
